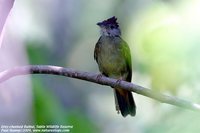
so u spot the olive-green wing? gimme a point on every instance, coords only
(127, 55)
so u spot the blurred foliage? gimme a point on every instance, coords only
(47, 108)
(165, 44)
(176, 121)
(38, 52)
(164, 39)
(48, 111)
(81, 123)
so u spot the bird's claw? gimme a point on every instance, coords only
(99, 76)
(118, 82)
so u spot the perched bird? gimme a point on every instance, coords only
(113, 57)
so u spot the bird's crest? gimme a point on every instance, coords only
(110, 21)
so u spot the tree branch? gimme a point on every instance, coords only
(95, 78)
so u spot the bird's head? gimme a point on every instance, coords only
(109, 27)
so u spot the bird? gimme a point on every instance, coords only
(113, 57)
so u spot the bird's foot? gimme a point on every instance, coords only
(118, 81)
(99, 76)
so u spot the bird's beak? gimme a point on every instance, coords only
(99, 24)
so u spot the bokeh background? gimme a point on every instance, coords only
(164, 38)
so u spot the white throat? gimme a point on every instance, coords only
(110, 32)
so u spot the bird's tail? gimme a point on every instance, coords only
(125, 102)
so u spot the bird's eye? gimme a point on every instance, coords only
(112, 27)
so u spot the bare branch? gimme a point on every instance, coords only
(55, 70)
